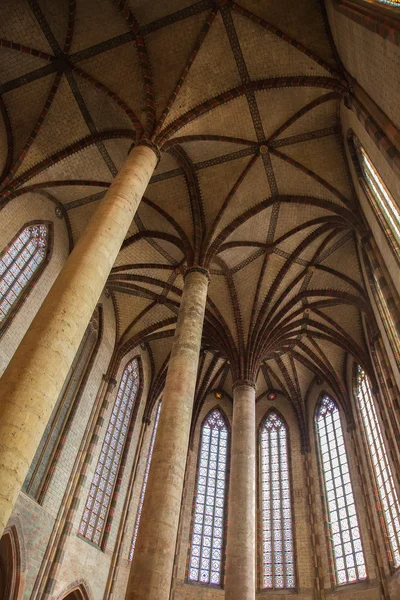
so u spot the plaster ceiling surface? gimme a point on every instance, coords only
(243, 102)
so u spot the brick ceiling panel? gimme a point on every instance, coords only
(96, 21)
(234, 257)
(129, 308)
(286, 15)
(246, 280)
(4, 148)
(119, 69)
(118, 150)
(200, 151)
(345, 261)
(14, 64)
(323, 116)
(171, 195)
(169, 52)
(294, 215)
(267, 55)
(74, 195)
(167, 163)
(18, 24)
(139, 252)
(149, 12)
(56, 14)
(220, 295)
(148, 216)
(214, 57)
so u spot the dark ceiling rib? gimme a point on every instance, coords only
(305, 137)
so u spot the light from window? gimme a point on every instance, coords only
(100, 493)
(207, 540)
(390, 2)
(277, 534)
(345, 532)
(386, 316)
(19, 262)
(144, 484)
(384, 205)
(383, 473)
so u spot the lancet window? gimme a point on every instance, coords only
(278, 566)
(383, 204)
(207, 540)
(345, 535)
(19, 263)
(102, 487)
(144, 484)
(381, 466)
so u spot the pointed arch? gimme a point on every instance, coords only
(11, 565)
(209, 517)
(78, 590)
(278, 553)
(345, 539)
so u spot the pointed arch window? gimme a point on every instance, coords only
(209, 516)
(102, 487)
(347, 547)
(383, 203)
(20, 263)
(380, 462)
(278, 566)
(144, 484)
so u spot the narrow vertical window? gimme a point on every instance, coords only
(207, 540)
(102, 487)
(144, 484)
(382, 202)
(383, 473)
(19, 262)
(345, 533)
(278, 569)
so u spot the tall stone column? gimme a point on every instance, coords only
(34, 377)
(151, 571)
(240, 573)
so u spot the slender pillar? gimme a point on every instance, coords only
(151, 571)
(35, 375)
(240, 574)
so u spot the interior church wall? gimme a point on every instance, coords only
(18, 212)
(372, 60)
(82, 559)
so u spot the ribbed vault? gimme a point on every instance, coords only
(243, 101)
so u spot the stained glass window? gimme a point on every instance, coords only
(207, 540)
(384, 205)
(19, 262)
(144, 484)
(390, 2)
(278, 568)
(345, 533)
(383, 473)
(102, 487)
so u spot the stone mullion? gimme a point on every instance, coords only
(126, 511)
(315, 536)
(49, 566)
(376, 552)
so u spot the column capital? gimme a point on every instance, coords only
(246, 382)
(148, 144)
(197, 269)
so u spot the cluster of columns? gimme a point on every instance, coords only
(34, 377)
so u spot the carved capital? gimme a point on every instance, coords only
(197, 269)
(149, 144)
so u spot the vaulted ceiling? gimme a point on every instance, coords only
(243, 101)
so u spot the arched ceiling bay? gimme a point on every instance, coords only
(243, 101)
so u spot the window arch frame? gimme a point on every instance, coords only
(25, 292)
(210, 585)
(368, 457)
(260, 574)
(324, 497)
(109, 516)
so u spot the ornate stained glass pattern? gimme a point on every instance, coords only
(19, 262)
(102, 487)
(144, 484)
(345, 533)
(207, 540)
(390, 2)
(383, 473)
(278, 567)
(382, 201)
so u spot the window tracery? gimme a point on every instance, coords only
(207, 540)
(380, 462)
(144, 484)
(278, 567)
(18, 264)
(102, 487)
(347, 547)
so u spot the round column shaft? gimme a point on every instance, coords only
(151, 571)
(34, 377)
(240, 581)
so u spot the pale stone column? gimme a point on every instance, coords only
(34, 377)
(151, 571)
(240, 572)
